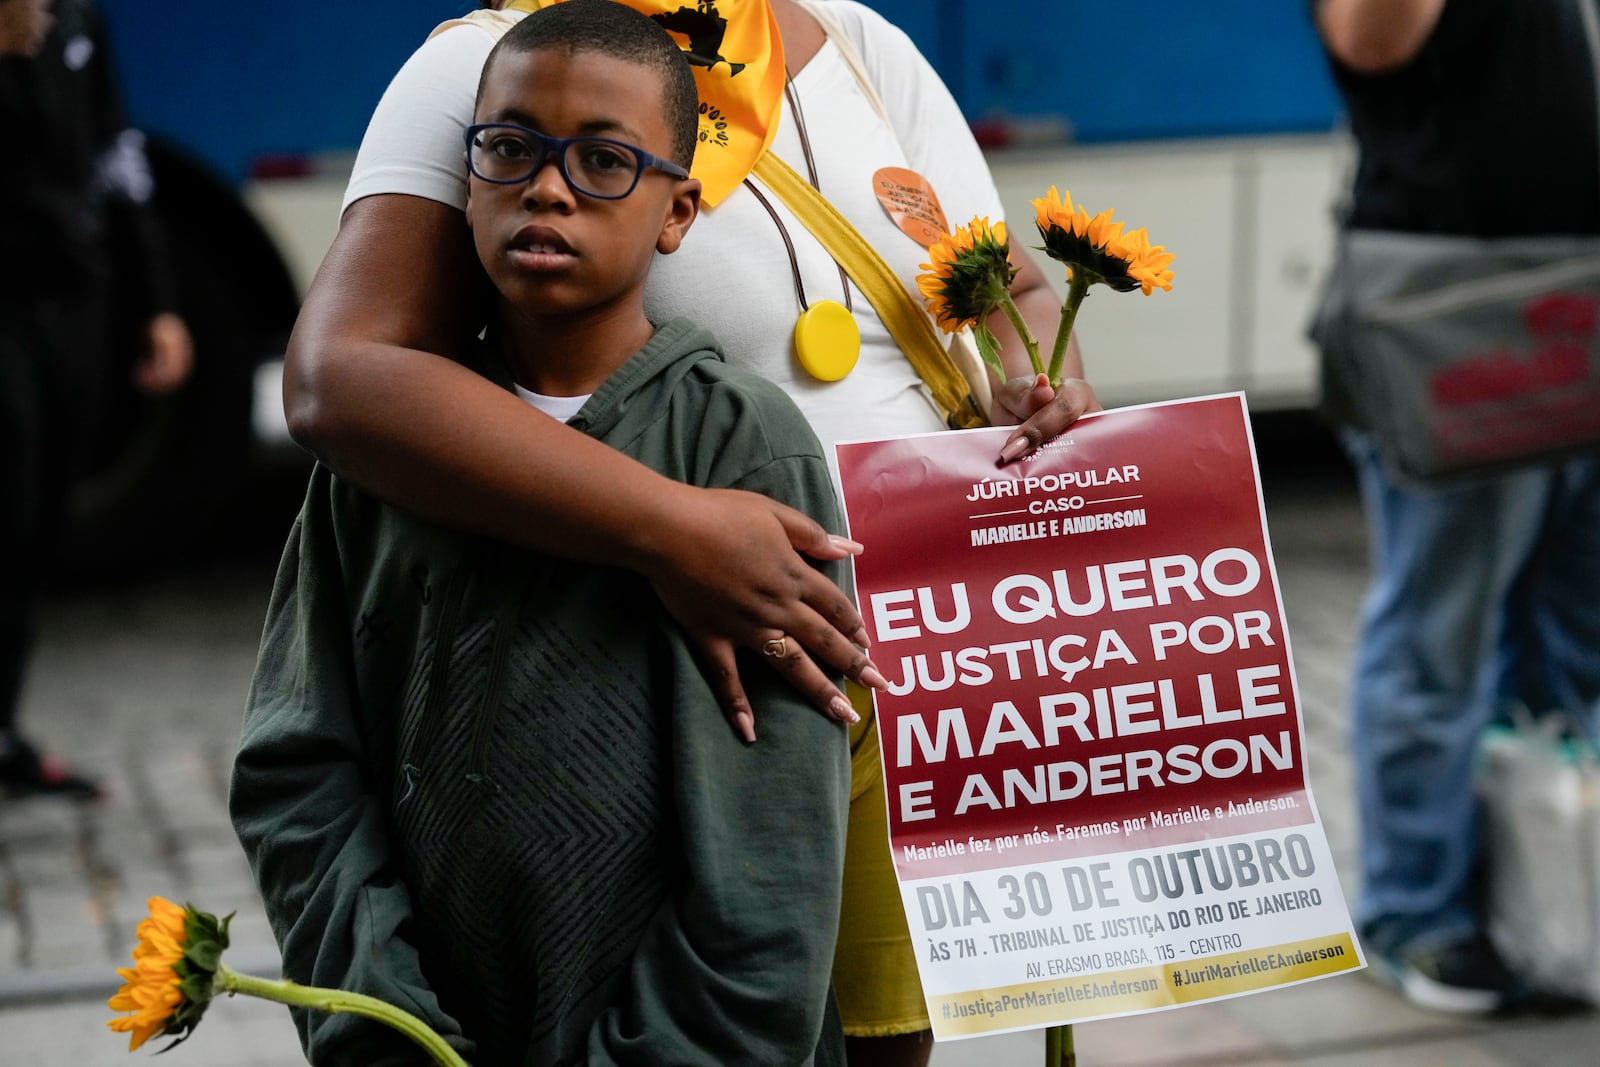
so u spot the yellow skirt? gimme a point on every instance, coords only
(874, 970)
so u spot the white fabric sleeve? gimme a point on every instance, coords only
(413, 142)
(935, 136)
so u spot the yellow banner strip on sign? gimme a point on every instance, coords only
(1070, 998)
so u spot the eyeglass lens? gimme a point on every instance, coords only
(596, 167)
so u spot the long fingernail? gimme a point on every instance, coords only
(861, 639)
(844, 544)
(841, 710)
(1014, 448)
(872, 679)
(747, 726)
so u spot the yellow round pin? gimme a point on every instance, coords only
(827, 340)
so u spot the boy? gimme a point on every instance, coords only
(492, 787)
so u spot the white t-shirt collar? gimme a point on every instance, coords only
(562, 408)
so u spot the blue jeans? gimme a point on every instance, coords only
(1481, 596)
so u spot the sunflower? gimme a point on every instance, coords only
(969, 277)
(178, 969)
(170, 984)
(1096, 250)
(970, 273)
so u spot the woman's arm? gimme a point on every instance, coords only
(363, 391)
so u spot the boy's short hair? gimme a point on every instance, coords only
(612, 28)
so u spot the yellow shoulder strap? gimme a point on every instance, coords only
(907, 324)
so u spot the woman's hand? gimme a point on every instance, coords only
(1026, 397)
(730, 571)
(1041, 411)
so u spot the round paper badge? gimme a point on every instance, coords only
(910, 201)
(827, 340)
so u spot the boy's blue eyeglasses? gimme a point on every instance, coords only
(504, 153)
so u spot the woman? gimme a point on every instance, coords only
(400, 282)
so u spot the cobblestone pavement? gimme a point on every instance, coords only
(144, 684)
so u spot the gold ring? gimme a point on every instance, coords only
(777, 648)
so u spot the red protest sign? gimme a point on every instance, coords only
(1090, 676)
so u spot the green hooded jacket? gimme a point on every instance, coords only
(492, 787)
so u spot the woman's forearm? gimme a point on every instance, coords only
(365, 393)
(442, 442)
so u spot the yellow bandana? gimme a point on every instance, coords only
(737, 57)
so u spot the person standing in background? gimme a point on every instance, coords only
(1471, 118)
(77, 240)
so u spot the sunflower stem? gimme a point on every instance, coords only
(1058, 1047)
(338, 1000)
(1018, 323)
(1077, 289)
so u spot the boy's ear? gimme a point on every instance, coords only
(681, 213)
